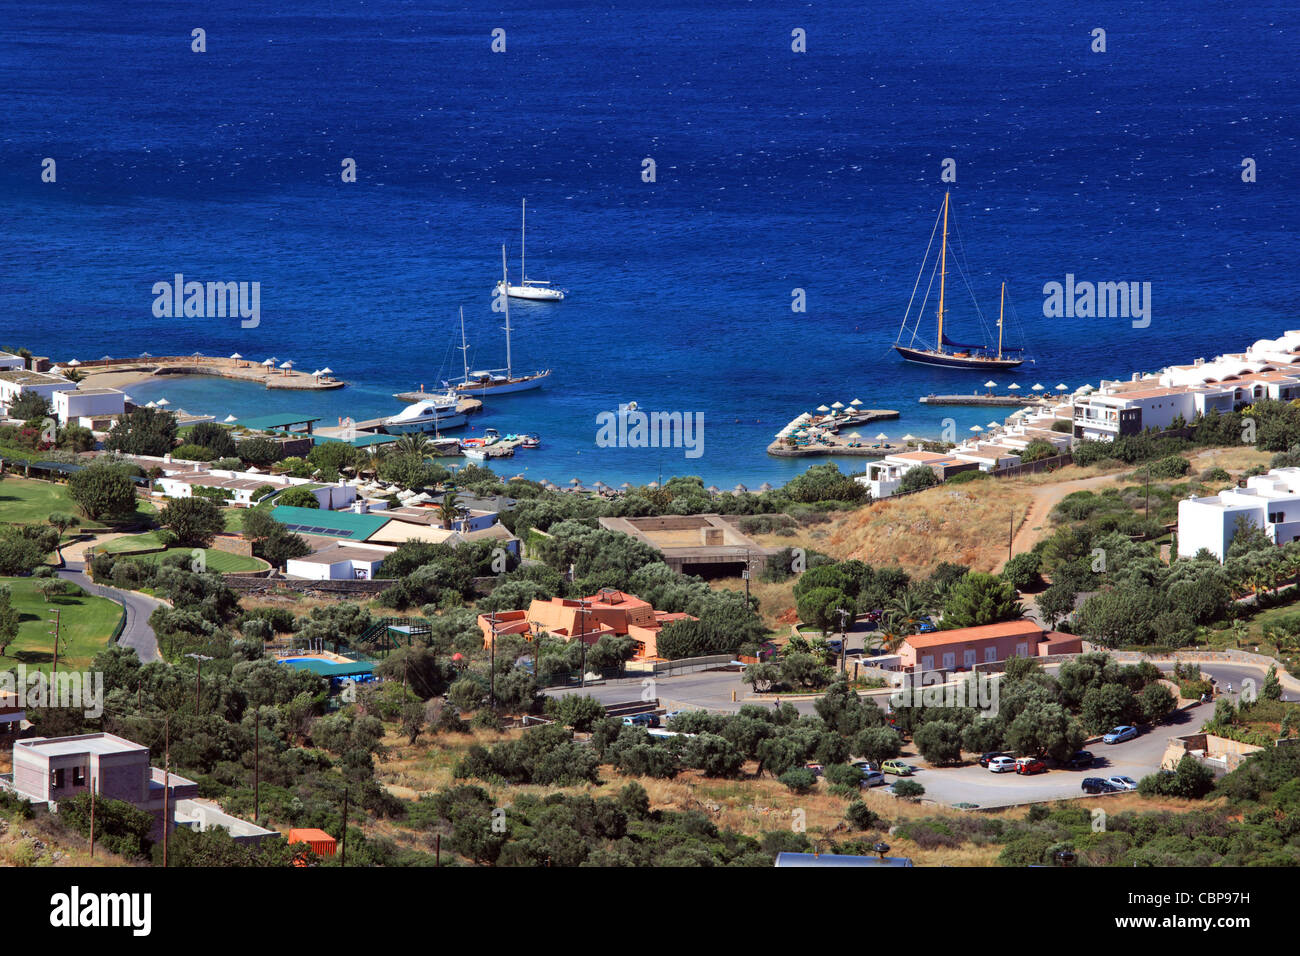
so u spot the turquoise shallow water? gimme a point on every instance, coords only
(775, 171)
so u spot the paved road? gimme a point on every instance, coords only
(137, 634)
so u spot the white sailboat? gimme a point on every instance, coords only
(536, 289)
(492, 381)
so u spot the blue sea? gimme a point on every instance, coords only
(775, 171)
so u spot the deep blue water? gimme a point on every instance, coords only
(775, 170)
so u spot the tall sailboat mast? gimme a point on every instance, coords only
(1002, 303)
(523, 219)
(943, 269)
(505, 284)
(464, 346)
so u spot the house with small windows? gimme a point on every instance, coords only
(965, 648)
(1270, 502)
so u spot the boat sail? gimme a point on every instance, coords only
(491, 381)
(538, 290)
(946, 353)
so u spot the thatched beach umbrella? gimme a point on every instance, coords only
(856, 402)
(286, 365)
(163, 403)
(626, 486)
(1013, 387)
(1038, 387)
(990, 384)
(882, 437)
(713, 490)
(231, 418)
(327, 371)
(1062, 387)
(995, 425)
(269, 364)
(653, 484)
(976, 428)
(837, 405)
(823, 408)
(740, 489)
(909, 437)
(853, 435)
(765, 486)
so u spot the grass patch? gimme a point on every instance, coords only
(85, 625)
(29, 501)
(223, 562)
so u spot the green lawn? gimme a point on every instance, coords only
(85, 625)
(129, 543)
(234, 518)
(222, 562)
(29, 501)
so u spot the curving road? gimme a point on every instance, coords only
(137, 634)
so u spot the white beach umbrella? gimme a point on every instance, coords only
(881, 437)
(837, 405)
(995, 425)
(990, 384)
(765, 486)
(976, 428)
(163, 403)
(236, 356)
(823, 408)
(231, 418)
(73, 364)
(740, 489)
(909, 438)
(856, 402)
(269, 363)
(327, 370)
(151, 405)
(1013, 387)
(1062, 387)
(1037, 387)
(854, 435)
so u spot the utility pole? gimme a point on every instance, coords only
(55, 672)
(198, 679)
(1011, 532)
(257, 754)
(167, 782)
(92, 818)
(343, 861)
(844, 640)
(582, 636)
(747, 578)
(492, 663)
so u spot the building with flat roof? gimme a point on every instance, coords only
(50, 769)
(1270, 501)
(884, 476)
(703, 545)
(339, 562)
(17, 381)
(88, 406)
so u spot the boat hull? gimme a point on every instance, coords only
(422, 426)
(533, 293)
(948, 360)
(500, 388)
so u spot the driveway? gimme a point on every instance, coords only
(137, 634)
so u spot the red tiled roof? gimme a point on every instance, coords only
(962, 635)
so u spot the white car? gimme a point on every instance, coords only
(1002, 765)
(873, 778)
(1124, 783)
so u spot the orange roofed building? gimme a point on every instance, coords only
(610, 612)
(964, 647)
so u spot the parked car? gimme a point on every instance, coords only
(669, 715)
(925, 627)
(873, 778)
(1002, 764)
(642, 720)
(1030, 765)
(1098, 785)
(1122, 783)
(865, 765)
(1080, 758)
(1120, 734)
(985, 758)
(896, 766)
(834, 645)
(816, 768)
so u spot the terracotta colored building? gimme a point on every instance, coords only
(589, 619)
(964, 647)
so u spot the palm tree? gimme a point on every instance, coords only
(450, 509)
(413, 444)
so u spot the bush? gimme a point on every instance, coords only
(909, 789)
(799, 780)
(917, 479)
(861, 816)
(1023, 571)
(1171, 466)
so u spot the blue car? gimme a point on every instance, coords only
(925, 626)
(1120, 734)
(642, 720)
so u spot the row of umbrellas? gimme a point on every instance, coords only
(575, 484)
(286, 366)
(1036, 387)
(838, 406)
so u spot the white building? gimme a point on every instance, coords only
(243, 484)
(884, 476)
(339, 562)
(16, 381)
(988, 457)
(1270, 501)
(86, 405)
(10, 361)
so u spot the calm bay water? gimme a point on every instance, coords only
(775, 171)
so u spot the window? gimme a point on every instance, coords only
(1022, 650)
(58, 779)
(968, 658)
(78, 777)
(949, 660)
(990, 654)
(927, 663)
(1276, 517)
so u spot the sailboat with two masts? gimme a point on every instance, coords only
(946, 353)
(492, 381)
(539, 290)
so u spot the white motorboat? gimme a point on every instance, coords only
(432, 414)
